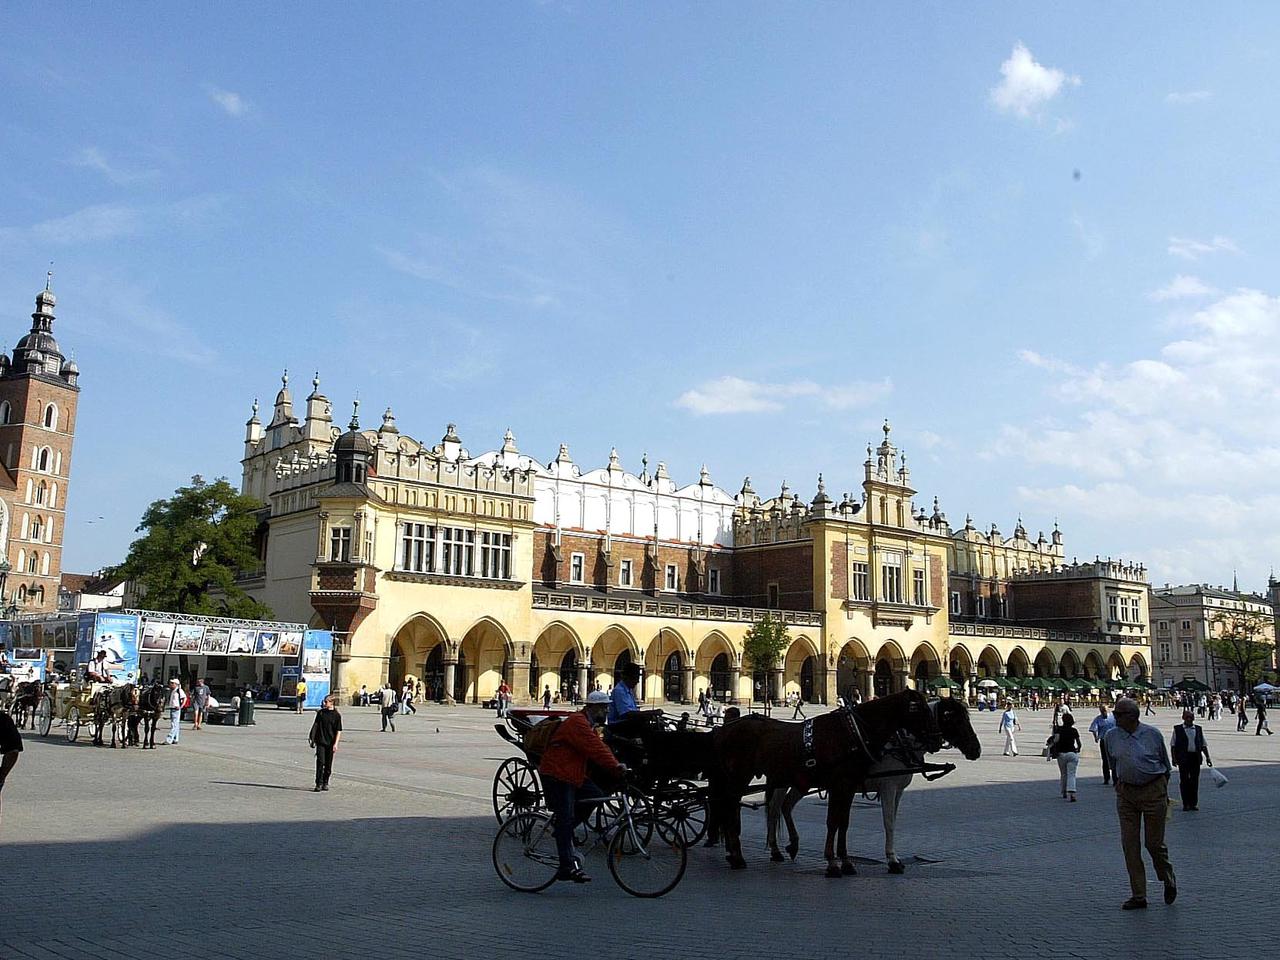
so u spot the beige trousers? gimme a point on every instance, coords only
(1144, 810)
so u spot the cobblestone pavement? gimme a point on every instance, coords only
(217, 848)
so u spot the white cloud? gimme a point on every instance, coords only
(1189, 248)
(1182, 287)
(99, 222)
(91, 158)
(231, 103)
(1175, 450)
(1188, 96)
(1025, 85)
(735, 395)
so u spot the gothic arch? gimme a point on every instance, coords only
(925, 665)
(607, 653)
(962, 664)
(665, 657)
(1138, 667)
(1094, 667)
(990, 663)
(1069, 665)
(547, 657)
(1045, 664)
(1019, 663)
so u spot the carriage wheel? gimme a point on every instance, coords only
(682, 812)
(516, 788)
(73, 724)
(44, 715)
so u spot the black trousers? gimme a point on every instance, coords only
(388, 717)
(1189, 781)
(1106, 761)
(324, 764)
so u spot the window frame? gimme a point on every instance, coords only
(577, 568)
(626, 573)
(671, 578)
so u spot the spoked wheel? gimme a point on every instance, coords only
(647, 867)
(44, 716)
(524, 851)
(681, 812)
(73, 724)
(516, 789)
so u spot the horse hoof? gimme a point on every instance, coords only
(777, 857)
(848, 869)
(833, 872)
(737, 863)
(792, 850)
(897, 866)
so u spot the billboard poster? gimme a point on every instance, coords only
(117, 634)
(290, 644)
(242, 642)
(84, 631)
(27, 664)
(186, 638)
(216, 640)
(317, 661)
(289, 680)
(268, 643)
(156, 636)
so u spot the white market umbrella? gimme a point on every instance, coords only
(1260, 688)
(992, 683)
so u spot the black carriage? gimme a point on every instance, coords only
(672, 796)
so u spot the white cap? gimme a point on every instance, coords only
(597, 696)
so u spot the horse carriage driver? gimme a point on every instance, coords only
(625, 717)
(98, 670)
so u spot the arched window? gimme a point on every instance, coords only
(44, 459)
(6, 411)
(51, 417)
(41, 489)
(37, 529)
(48, 530)
(33, 562)
(44, 564)
(53, 495)
(26, 525)
(22, 593)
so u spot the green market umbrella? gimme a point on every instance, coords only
(939, 683)
(1191, 685)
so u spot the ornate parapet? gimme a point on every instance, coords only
(671, 609)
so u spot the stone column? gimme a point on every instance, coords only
(735, 675)
(450, 670)
(902, 680)
(827, 686)
(867, 680)
(583, 666)
(972, 690)
(775, 680)
(686, 684)
(519, 679)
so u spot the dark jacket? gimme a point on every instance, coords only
(1179, 746)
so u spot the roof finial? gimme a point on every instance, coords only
(48, 278)
(355, 415)
(315, 381)
(255, 407)
(284, 378)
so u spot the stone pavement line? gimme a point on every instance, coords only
(388, 867)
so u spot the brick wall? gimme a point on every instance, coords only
(1060, 604)
(839, 571)
(644, 575)
(789, 565)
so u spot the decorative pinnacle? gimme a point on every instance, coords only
(355, 415)
(886, 428)
(255, 407)
(315, 381)
(48, 278)
(284, 377)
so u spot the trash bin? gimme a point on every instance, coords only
(245, 718)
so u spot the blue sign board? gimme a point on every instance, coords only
(317, 663)
(117, 634)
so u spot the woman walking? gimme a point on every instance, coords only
(1066, 748)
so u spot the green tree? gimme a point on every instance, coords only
(763, 648)
(1244, 641)
(192, 546)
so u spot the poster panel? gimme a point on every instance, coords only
(291, 644)
(289, 681)
(186, 638)
(216, 640)
(317, 661)
(268, 643)
(117, 634)
(27, 664)
(242, 642)
(156, 636)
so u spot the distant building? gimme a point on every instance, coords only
(1182, 617)
(39, 392)
(91, 591)
(465, 570)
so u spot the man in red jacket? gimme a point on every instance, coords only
(564, 776)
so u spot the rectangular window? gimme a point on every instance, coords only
(1186, 651)
(918, 596)
(774, 596)
(340, 544)
(417, 543)
(980, 606)
(1164, 653)
(495, 556)
(457, 552)
(1186, 624)
(673, 579)
(955, 602)
(368, 546)
(891, 578)
(624, 573)
(861, 582)
(713, 580)
(577, 568)
(1113, 607)
(1162, 626)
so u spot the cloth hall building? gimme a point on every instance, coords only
(465, 570)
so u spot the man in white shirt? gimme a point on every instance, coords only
(1009, 723)
(174, 702)
(389, 707)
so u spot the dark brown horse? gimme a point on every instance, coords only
(833, 751)
(888, 777)
(26, 697)
(150, 706)
(111, 708)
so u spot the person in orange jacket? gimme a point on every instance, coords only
(565, 781)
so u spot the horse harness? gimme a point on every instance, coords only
(809, 752)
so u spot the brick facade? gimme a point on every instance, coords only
(646, 576)
(789, 566)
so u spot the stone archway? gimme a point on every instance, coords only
(890, 669)
(1094, 668)
(557, 647)
(925, 665)
(1019, 664)
(1138, 667)
(853, 671)
(1045, 665)
(665, 659)
(482, 661)
(415, 647)
(612, 650)
(1116, 668)
(1069, 665)
(714, 667)
(990, 665)
(799, 669)
(962, 669)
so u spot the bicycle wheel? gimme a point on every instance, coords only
(524, 852)
(647, 868)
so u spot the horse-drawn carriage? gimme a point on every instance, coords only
(71, 704)
(24, 701)
(665, 762)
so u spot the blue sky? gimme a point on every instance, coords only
(1037, 240)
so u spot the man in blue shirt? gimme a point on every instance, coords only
(622, 700)
(1140, 766)
(1101, 724)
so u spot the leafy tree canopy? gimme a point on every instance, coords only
(765, 643)
(1244, 641)
(192, 546)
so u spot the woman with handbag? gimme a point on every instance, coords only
(1066, 749)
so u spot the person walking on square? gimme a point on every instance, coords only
(389, 707)
(1188, 749)
(300, 697)
(10, 747)
(546, 697)
(1008, 724)
(1141, 770)
(1101, 724)
(364, 695)
(1066, 750)
(408, 699)
(326, 732)
(1150, 710)
(1260, 706)
(174, 702)
(199, 703)
(1242, 716)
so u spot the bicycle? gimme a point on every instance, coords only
(646, 857)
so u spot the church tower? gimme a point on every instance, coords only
(39, 393)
